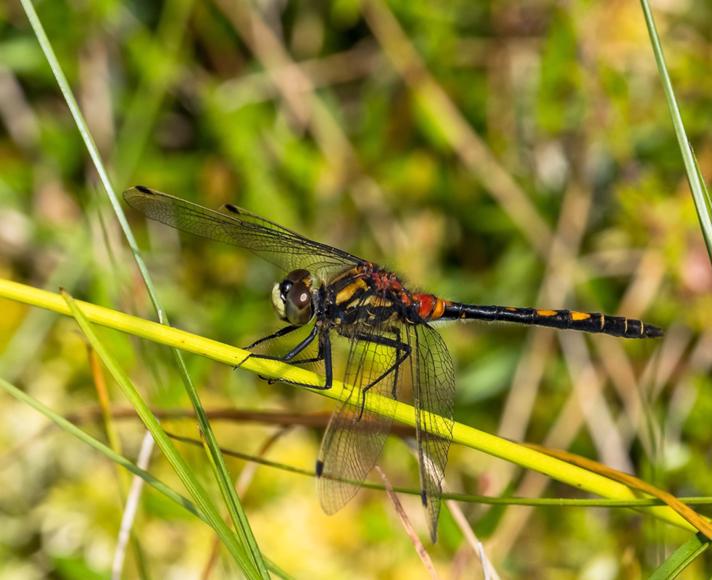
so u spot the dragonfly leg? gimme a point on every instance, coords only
(394, 392)
(323, 354)
(291, 354)
(295, 350)
(403, 351)
(323, 343)
(281, 332)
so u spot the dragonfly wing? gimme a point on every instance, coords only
(238, 227)
(433, 397)
(355, 436)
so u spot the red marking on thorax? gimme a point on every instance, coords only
(386, 281)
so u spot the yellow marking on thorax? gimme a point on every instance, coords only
(546, 313)
(345, 294)
(575, 315)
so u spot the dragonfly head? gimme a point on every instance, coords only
(292, 298)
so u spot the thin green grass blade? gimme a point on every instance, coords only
(83, 129)
(105, 450)
(700, 193)
(463, 497)
(681, 558)
(217, 461)
(182, 469)
(706, 218)
(221, 474)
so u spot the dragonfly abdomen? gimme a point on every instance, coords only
(429, 307)
(563, 319)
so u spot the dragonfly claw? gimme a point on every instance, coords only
(242, 362)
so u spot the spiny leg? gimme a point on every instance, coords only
(323, 339)
(295, 350)
(402, 353)
(281, 332)
(324, 354)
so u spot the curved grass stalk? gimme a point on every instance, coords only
(464, 435)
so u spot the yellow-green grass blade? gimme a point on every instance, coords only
(462, 434)
(105, 450)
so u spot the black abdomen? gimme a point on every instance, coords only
(563, 319)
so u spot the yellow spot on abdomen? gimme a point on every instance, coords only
(546, 312)
(438, 310)
(580, 315)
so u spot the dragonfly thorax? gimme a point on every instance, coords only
(292, 298)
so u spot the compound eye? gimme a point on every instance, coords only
(298, 304)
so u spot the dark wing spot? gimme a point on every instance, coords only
(319, 468)
(231, 208)
(143, 189)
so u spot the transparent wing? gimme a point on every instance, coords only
(238, 227)
(433, 398)
(355, 436)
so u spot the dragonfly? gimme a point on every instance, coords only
(394, 351)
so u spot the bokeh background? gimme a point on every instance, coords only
(494, 152)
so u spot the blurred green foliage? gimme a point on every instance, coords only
(300, 112)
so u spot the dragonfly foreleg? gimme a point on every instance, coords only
(295, 350)
(323, 354)
(281, 332)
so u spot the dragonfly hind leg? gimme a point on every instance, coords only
(324, 354)
(403, 351)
